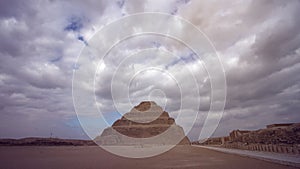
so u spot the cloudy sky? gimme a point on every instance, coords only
(257, 41)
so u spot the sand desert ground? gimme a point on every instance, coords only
(89, 157)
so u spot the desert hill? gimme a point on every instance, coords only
(37, 141)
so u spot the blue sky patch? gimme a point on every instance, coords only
(74, 24)
(75, 66)
(81, 38)
(111, 117)
(73, 122)
(186, 59)
(56, 59)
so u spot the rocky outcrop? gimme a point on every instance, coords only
(146, 123)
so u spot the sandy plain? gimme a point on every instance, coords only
(90, 157)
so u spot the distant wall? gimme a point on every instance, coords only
(214, 141)
(295, 149)
(278, 138)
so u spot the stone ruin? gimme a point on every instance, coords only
(289, 135)
(146, 123)
(279, 138)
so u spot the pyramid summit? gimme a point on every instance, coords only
(146, 123)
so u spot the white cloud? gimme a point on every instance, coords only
(258, 42)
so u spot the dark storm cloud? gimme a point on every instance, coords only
(16, 8)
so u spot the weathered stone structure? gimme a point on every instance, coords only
(146, 123)
(236, 134)
(289, 135)
(280, 138)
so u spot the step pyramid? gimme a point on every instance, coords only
(146, 123)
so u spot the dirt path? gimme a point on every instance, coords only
(93, 157)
